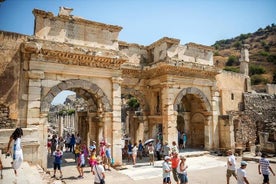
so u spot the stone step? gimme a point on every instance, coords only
(26, 174)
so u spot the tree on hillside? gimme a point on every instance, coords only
(232, 61)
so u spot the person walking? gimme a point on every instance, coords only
(72, 143)
(158, 150)
(108, 156)
(174, 147)
(81, 164)
(151, 153)
(134, 153)
(241, 174)
(182, 170)
(175, 160)
(98, 171)
(184, 140)
(140, 149)
(54, 143)
(231, 166)
(129, 151)
(264, 168)
(166, 170)
(17, 150)
(166, 149)
(57, 161)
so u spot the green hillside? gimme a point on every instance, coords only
(262, 66)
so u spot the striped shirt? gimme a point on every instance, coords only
(264, 163)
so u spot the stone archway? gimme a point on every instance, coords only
(93, 124)
(93, 89)
(193, 105)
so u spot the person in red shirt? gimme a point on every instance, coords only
(175, 161)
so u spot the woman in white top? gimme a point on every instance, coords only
(17, 150)
(182, 170)
(134, 153)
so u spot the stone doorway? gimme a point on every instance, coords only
(192, 108)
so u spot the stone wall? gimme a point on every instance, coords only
(231, 87)
(5, 121)
(10, 70)
(256, 124)
(271, 89)
(261, 108)
(72, 29)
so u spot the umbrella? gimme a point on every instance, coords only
(148, 141)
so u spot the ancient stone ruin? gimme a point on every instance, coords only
(178, 87)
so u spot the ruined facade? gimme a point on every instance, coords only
(177, 86)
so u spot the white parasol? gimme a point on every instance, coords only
(149, 141)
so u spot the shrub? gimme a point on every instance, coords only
(216, 53)
(274, 78)
(256, 69)
(271, 58)
(232, 61)
(257, 79)
(232, 69)
(133, 103)
(237, 45)
(263, 53)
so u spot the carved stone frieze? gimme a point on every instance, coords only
(73, 55)
(167, 68)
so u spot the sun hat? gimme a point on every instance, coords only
(182, 157)
(243, 163)
(99, 159)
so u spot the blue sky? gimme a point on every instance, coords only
(146, 21)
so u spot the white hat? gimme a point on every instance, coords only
(167, 158)
(243, 163)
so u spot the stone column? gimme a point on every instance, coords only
(169, 116)
(35, 118)
(213, 118)
(244, 60)
(116, 125)
(208, 133)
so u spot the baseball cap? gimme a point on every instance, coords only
(243, 163)
(167, 158)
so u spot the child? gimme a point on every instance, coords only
(166, 170)
(241, 174)
(92, 159)
(57, 161)
(77, 151)
(81, 164)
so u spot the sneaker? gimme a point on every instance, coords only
(53, 176)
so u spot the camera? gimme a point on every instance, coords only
(8, 154)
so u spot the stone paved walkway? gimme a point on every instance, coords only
(204, 169)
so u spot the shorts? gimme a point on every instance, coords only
(230, 173)
(183, 178)
(167, 180)
(81, 165)
(56, 166)
(266, 178)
